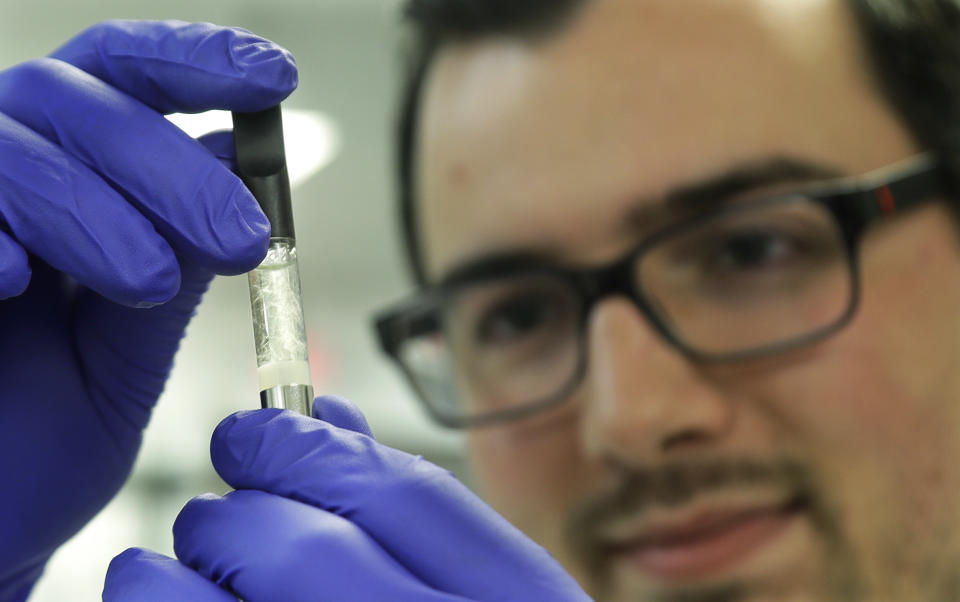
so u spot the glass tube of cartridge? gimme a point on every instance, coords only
(278, 329)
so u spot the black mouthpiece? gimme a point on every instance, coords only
(262, 165)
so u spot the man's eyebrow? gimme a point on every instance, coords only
(497, 263)
(644, 215)
(732, 183)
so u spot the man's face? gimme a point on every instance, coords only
(825, 473)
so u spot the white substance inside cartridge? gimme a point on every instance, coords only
(276, 374)
(278, 327)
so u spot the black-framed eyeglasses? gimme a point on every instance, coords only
(739, 281)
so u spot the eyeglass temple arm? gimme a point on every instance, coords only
(909, 189)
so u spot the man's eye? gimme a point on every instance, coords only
(515, 318)
(751, 250)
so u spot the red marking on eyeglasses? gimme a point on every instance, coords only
(887, 203)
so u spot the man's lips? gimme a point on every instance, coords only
(707, 543)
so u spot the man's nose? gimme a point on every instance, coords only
(644, 401)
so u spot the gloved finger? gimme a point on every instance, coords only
(341, 413)
(14, 266)
(197, 205)
(421, 515)
(144, 342)
(266, 548)
(144, 576)
(59, 210)
(220, 144)
(174, 66)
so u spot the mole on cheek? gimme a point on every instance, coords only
(458, 175)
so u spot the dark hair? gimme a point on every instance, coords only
(914, 50)
(913, 46)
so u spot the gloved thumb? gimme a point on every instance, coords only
(341, 413)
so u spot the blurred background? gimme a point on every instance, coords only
(350, 258)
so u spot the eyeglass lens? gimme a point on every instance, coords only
(750, 279)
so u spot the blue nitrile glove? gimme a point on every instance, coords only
(324, 512)
(106, 210)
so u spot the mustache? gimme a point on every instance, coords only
(677, 485)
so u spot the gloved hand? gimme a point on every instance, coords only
(112, 223)
(324, 512)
